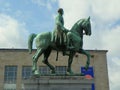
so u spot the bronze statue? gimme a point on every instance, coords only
(44, 45)
(60, 32)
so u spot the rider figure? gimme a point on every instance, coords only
(59, 34)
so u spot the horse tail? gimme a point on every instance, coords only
(30, 41)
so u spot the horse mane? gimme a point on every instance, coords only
(76, 24)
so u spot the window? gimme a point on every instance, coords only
(9, 86)
(85, 89)
(10, 74)
(26, 72)
(44, 70)
(61, 70)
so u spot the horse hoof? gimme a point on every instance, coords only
(86, 68)
(33, 70)
(53, 72)
(36, 73)
(70, 72)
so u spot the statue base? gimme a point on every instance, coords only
(58, 83)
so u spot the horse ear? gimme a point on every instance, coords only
(88, 18)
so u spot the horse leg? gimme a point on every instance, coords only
(88, 58)
(35, 59)
(45, 60)
(70, 60)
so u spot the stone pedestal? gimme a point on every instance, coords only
(58, 83)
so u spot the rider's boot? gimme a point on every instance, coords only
(70, 46)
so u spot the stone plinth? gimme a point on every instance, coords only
(58, 83)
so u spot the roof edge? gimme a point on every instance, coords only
(25, 49)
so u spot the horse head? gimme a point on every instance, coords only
(86, 25)
(80, 25)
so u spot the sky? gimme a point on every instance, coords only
(20, 18)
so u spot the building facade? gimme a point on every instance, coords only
(15, 66)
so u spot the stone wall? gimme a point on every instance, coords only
(20, 57)
(58, 83)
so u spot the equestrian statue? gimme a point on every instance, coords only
(69, 42)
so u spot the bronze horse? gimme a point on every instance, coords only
(45, 46)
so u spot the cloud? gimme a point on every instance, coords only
(107, 10)
(5, 6)
(12, 33)
(74, 10)
(44, 3)
(105, 39)
(114, 74)
(110, 40)
(105, 29)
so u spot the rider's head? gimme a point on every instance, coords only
(60, 10)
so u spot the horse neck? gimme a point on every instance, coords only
(77, 29)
